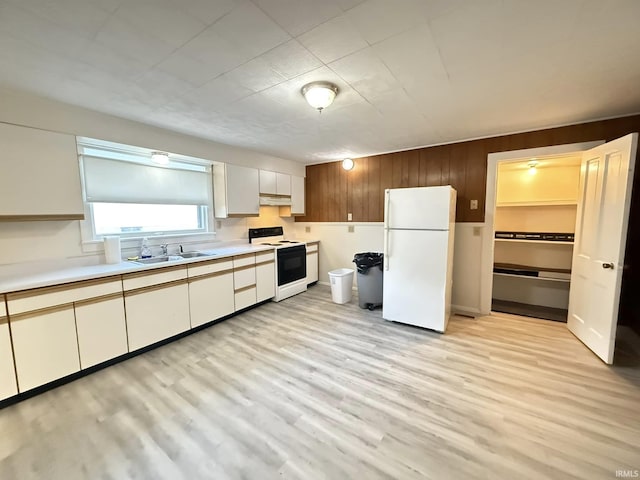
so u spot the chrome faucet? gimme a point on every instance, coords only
(164, 247)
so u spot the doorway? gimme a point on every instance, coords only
(534, 226)
(488, 232)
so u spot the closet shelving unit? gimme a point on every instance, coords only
(526, 281)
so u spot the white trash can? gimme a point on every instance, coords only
(341, 285)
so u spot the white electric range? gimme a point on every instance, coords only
(291, 260)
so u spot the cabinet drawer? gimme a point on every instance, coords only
(3, 309)
(244, 277)
(265, 257)
(136, 280)
(39, 298)
(206, 268)
(244, 260)
(312, 247)
(245, 298)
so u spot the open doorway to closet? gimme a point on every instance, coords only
(534, 225)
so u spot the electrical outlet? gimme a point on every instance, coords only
(351, 228)
(349, 217)
(474, 205)
(218, 224)
(307, 229)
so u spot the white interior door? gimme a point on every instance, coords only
(606, 179)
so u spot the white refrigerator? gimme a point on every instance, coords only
(419, 228)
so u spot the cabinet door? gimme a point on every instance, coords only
(265, 280)
(156, 313)
(211, 297)
(45, 346)
(8, 387)
(245, 297)
(40, 175)
(297, 195)
(268, 182)
(243, 194)
(102, 331)
(283, 184)
(312, 267)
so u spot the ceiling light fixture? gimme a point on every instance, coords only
(348, 164)
(533, 164)
(319, 94)
(160, 158)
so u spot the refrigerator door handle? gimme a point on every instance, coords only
(387, 198)
(386, 249)
(387, 213)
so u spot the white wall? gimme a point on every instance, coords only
(338, 245)
(56, 240)
(28, 110)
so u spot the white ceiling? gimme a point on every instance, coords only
(410, 72)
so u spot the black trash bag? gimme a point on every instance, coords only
(364, 261)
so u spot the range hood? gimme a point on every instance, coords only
(275, 200)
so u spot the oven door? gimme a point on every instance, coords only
(292, 264)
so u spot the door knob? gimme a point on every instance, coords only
(607, 265)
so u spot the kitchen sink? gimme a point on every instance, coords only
(194, 254)
(173, 258)
(151, 260)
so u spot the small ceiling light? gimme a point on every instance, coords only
(319, 94)
(532, 167)
(160, 158)
(348, 164)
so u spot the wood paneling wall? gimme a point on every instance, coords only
(331, 192)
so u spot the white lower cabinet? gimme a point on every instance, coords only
(8, 386)
(102, 330)
(53, 332)
(45, 345)
(156, 313)
(265, 276)
(211, 294)
(244, 280)
(312, 263)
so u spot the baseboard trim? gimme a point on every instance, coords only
(466, 311)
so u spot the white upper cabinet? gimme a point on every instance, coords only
(283, 184)
(297, 195)
(39, 175)
(273, 183)
(268, 182)
(235, 191)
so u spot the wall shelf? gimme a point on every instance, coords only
(544, 279)
(542, 203)
(546, 242)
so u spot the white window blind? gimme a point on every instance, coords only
(113, 181)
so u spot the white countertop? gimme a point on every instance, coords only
(24, 277)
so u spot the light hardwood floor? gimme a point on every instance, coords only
(307, 389)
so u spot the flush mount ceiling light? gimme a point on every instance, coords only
(533, 164)
(348, 164)
(319, 94)
(160, 158)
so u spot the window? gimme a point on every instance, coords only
(130, 196)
